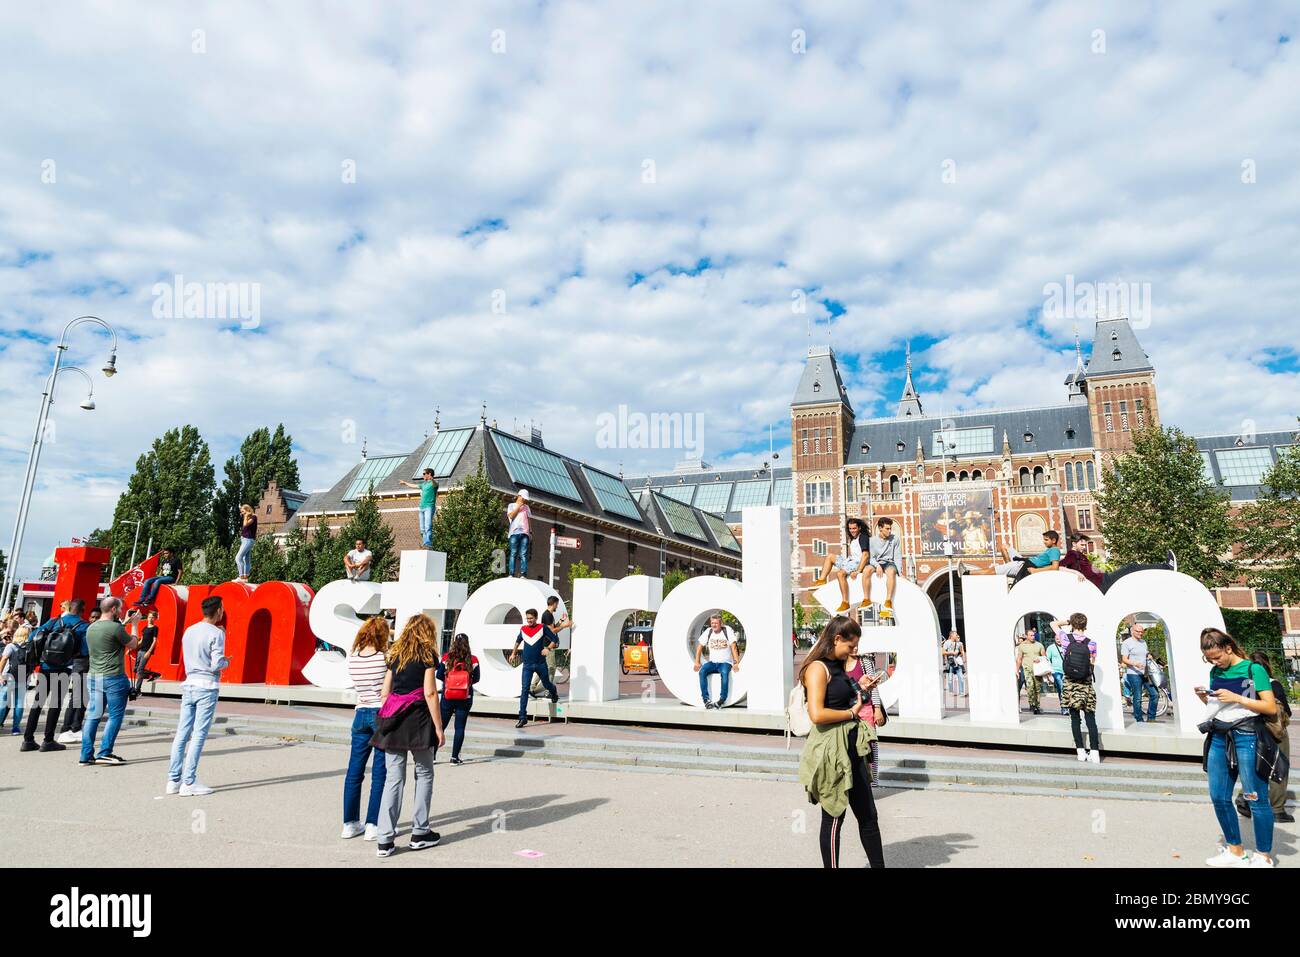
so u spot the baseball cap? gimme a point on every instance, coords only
(523, 493)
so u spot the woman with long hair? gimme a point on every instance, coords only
(247, 535)
(367, 665)
(834, 769)
(872, 710)
(1239, 698)
(459, 673)
(410, 723)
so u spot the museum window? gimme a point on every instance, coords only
(1040, 477)
(952, 476)
(894, 485)
(1123, 416)
(849, 489)
(1110, 420)
(830, 440)
(1025, 477)
(819, 548)
(1085, 519)
(1078, 476)
(1092, 477)
(1141, 415)
(1069, 477)
(817, 497)
(977, 475)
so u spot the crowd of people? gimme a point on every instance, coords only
(408, 694)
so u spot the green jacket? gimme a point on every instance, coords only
(824, 769)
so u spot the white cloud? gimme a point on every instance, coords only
(821, 171)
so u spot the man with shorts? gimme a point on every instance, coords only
(845, 567)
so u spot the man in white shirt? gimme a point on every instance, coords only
(204, 649)
(724, 657)
(520, 517)
(357, 562)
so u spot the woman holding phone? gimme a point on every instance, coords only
(873, 706)
(1238, 697)
(834, 769)
(247, 535)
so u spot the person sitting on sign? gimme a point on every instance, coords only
(724, 657)
(1016, 566)
(168, 573)
(850, 566)
(884, 559)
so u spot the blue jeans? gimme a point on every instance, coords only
(363, 729)
(198, 707)
(1056, 680)
(244, 558)
(459, 710)
(527, 671)
(101, 690)
(13, 693)
(426, 527)
(1135, 685)
(151, 585)
(1221, 785)
(518, 555)
(715, 667)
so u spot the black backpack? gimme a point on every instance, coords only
(62, 646)
(1078, 660)
(17, 658)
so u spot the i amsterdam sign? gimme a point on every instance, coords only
(272, 628)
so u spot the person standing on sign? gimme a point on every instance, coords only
(428, 490)
(849, 567)
(356, 563)
(520, 517)
(203, 647)
(247, 535)
(724, 657)
(534, 638)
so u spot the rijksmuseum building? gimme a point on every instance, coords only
(958, 487)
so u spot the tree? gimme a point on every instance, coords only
(673, 578)
(470, 527)
(1270, 529)
(369, 526)
(212, 564)
(268, 561)
(1157, 498)
(170, 493)
(581, 570)
(262, 456)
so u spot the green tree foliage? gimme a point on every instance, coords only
(674, 578)
(470, 527)
(1157, 498)
(263, 456)
(369, 526)
(211, 564)
(170, 492)
(581, 570)
(1270, 529)
(268, 561)
(1256, 631)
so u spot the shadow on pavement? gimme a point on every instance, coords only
(935, 850)
(271, 782)
(519, 815)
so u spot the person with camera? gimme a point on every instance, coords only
(834, 768)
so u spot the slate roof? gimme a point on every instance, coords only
(1050, 426)
(705, 477)
(821, 382)
(1115, 351)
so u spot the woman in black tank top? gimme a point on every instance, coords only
(834, 698)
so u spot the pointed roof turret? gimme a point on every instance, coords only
(910, 404)
(820, 383)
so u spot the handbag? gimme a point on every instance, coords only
(1042, 668)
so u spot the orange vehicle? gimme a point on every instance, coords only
(638, 658)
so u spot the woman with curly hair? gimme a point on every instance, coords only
(367, 666)
(410, 722)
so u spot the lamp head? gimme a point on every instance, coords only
(88, 404)
(110, 369)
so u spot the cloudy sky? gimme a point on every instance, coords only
(560, 208)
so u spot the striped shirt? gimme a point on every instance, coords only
(367, 674)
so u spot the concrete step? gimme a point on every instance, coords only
(1049, 775)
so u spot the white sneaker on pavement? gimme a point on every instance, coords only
(1225, 858)
(1083, 754)
(197, 789)
(173, 787)
(1259, 860)
(1094, 757)
(69, 737)
(352, 829)
(372, 832)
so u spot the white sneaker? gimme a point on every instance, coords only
(1225, 858)
(1259, 860)
(173, 787)
(197, 789)
(352, 829)
(1094, 757)
(1083, 755)
(372, 832)
(69, 737)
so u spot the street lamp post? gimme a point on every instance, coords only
(944, 446)
(38, 441)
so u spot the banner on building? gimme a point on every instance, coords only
(963, 517)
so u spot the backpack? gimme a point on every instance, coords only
(62, 646)
(456, 686)
(797, 722)
(17, 658)
(1078, 663)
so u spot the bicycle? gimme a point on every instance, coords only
(1164, 703)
